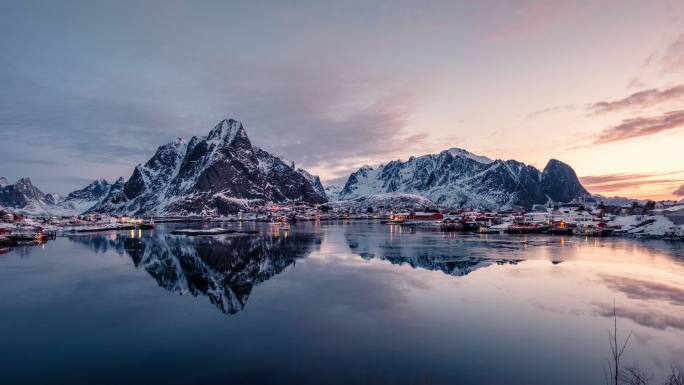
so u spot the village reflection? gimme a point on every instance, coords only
(419, 249)
(225, 269)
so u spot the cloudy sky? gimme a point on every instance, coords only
(89, 89)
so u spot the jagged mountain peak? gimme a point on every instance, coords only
(97, 187)
(24, 182)
(26, 197)
(216, 174)
(26, 187)
(226, 130)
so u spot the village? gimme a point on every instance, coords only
(663, 219)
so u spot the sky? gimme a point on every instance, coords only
(89, 89)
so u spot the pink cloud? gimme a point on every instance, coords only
(641, 99)
(679, 191)
(642, 126)
(673, 59)
(614, 182)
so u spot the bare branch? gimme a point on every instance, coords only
(634, 375)
(616, 350)
(676, 376)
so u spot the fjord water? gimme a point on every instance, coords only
(337, 303)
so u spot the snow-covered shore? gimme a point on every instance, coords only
(648, 226)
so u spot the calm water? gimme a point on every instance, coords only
(357, 303)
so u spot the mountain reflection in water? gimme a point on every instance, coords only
(426, 306)
(223, 268)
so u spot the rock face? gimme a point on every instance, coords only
(560, 181)
(315, 182)
(220, 173)
(289, 183)
(457, 178)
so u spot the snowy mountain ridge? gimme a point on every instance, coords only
(80, 201)
(458, 178)
(23, 197)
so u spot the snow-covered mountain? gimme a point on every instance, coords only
(458, 178)
(80, 201)
(217, 174)
(25, 198)
(332, 192)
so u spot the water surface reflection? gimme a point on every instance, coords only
(223, 268)
(352, 303)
